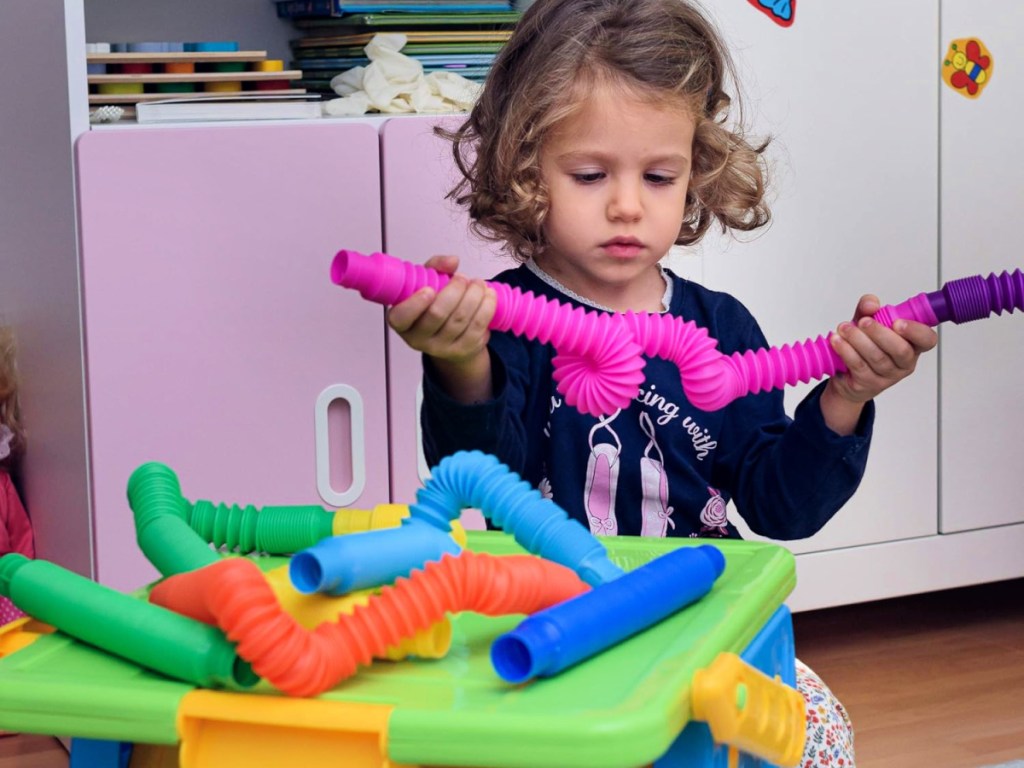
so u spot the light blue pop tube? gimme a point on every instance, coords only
(342, 564)
(479, 480)
(465, 479)
(553, 640)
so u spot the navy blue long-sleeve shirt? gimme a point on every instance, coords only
(661, 466)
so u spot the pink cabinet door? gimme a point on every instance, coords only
(215, 341)
(418, 172)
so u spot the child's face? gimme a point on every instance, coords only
(617, 173)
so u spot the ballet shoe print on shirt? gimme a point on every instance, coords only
(602, 480)
(656, 513)
(713, 517)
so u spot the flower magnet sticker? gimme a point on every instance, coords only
(967, 67)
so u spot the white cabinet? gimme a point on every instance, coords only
(982, 197)
(856, 184)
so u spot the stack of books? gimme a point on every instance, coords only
(443, 35)
(128, 74)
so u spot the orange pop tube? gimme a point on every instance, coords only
(234, 595)
(313, 610)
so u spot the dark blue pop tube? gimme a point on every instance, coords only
(553, 640)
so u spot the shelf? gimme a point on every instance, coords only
(196, 77)
(197, 56)
(135, 98)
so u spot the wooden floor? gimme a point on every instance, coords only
(930, 681)
(23, 751)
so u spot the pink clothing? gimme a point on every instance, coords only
(15, 536)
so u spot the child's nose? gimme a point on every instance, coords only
(625, 203)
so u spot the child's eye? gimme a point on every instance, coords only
(588, 177)
(659, 179)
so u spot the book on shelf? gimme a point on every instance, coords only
(293, 9)
(361, 40)
(498, 19)
(214, 108)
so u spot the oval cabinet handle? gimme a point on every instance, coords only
(327, 492)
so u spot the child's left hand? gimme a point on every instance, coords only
(876, 357)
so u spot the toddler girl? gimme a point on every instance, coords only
(604, 136)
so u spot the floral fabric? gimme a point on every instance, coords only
(829, 731)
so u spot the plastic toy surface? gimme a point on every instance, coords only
(257, 634)
(599, 366)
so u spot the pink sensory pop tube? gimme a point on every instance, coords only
(598, 367)
(599, 361)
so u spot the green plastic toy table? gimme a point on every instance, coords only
(624, 707)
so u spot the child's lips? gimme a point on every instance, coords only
(622, 247)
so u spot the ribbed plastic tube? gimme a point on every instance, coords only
(761, 370)
(274, 530)
(158, 639)
(708, 381)
(343, 564)
(478, 480)
(555, 639)
(175, 535)
(962, 300)
(155, 495)
(161, 521)
(313, 610)
(599, 366)
(234, 594)
(465, 479)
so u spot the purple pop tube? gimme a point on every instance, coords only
(961, 300)
(559, 637)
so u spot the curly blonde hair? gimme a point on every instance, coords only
(10, 413)
(666, 51)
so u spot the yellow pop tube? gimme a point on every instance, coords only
(315, 609)
(748, 710)
(382, 516)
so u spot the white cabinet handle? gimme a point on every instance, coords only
(323, 450)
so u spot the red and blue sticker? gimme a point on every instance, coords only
(967, 67)
(782, 12)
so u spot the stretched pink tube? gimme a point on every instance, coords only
(598, 367)
(599, 363)
(234, 594)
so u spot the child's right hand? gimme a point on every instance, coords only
(452, 327)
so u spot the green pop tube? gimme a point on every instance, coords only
(161, 522)
(175, 534)
(146, 634)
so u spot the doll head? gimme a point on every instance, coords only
(12, 437)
